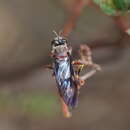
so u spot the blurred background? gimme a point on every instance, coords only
(28, 95)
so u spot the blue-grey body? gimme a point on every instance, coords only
(64, 74)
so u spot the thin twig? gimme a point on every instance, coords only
(74, 14)
(88, 75)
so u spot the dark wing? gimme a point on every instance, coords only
(73, 81)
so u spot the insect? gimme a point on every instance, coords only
(66, 71)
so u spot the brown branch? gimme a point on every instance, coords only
(88, 75)
(86, 60)
(75, 12)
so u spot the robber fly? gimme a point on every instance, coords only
(67, 78)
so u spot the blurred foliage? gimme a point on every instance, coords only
(32, 103)
(114, 7)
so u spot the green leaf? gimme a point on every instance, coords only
(121, 4)
(114, 7)
(128, 31)
(108, 10)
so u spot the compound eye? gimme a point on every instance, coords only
(54, 43)
(64, 40)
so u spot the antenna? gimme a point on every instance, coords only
(55, 33)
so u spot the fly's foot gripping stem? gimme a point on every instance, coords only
(79, 81)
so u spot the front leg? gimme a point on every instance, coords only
(50, 67)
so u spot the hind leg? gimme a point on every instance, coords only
(65, 109)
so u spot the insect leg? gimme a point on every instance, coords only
(48, 66)
(65, 109)
(80, 68)
(79, 65)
